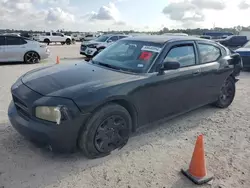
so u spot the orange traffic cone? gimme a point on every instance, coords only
(197, 169)
(57, 60)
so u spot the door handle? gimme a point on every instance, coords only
(196, 72)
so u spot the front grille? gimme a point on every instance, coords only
(83, 47)
(21, 107)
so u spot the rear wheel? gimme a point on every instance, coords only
(227, 93)
(107, 130)
(31, 58)
(47, 41)
(68, 41)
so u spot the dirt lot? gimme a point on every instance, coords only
(152, 158)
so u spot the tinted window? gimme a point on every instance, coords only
(114, 38)
(15, 41)
(2, 41)
(89, 35)
(183, 54)
(208, 53)
(121, 37)
(54, 34)
(47, 34)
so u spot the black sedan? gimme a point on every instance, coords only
(94, 106)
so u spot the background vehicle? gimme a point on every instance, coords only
(206, 37)
(19, 49)
(51, 37)
(135, 81)
(89, 37)
(176, 34)
(245, 33)
(93, 47)
(233, 41)
(245, 55)
(217, 34)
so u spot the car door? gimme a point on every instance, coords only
(211, 76)
(2, 49)
(175, 91)
(15, 48)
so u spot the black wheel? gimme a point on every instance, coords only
(107, 130)
(62, 43)
(47, 41)
(68, 41)
(31, 58)
(227, 93)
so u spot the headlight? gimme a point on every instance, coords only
(49, 113)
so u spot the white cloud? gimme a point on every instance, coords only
(57, 15)
(189, 12)
(244, 5)
(107, 12)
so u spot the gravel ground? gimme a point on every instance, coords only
(152, 158)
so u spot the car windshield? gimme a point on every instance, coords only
(247, 45)
(101, 38)
(129, 55)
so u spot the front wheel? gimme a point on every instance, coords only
(227, 93)
(107, 130)
(68, 41)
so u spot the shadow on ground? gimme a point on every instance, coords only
(24, 162)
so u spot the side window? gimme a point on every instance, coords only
(47, 34)
(183, 54)
(15, 41)
(114, 38)
(2, 41)
(208, 53)
(54, 34)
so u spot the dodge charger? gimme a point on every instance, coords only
(95, 106)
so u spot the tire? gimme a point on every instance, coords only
(227, 93)
(105, 128)
(68, 41)
(62, 43)
(31, 57)
(47, 41)
(98, 51)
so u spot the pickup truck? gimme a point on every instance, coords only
(51, 37)
(233, 41)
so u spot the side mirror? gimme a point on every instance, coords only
(169, 65)
(109, 41)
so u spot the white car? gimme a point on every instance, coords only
(93, 47)
(50, 37)
(19, 49)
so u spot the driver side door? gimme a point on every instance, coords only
(175, 91)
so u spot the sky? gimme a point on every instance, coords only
(142, 15)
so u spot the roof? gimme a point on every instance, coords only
(114, 34)
(9, 35)
(163, 38)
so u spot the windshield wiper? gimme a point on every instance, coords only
(106, 65)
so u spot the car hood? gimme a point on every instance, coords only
(72, 80)
(243, 50)
(91, 42)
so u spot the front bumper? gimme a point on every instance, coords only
(90, 52)
(62, 138)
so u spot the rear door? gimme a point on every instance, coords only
(213, 73)
(2, 49)
(15, 48)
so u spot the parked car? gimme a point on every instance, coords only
(89, 37)
(136, 81)
(19, 49)
(51, 37)
(233, 41)
(245, 55)
(93, 47)
(206, 37)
